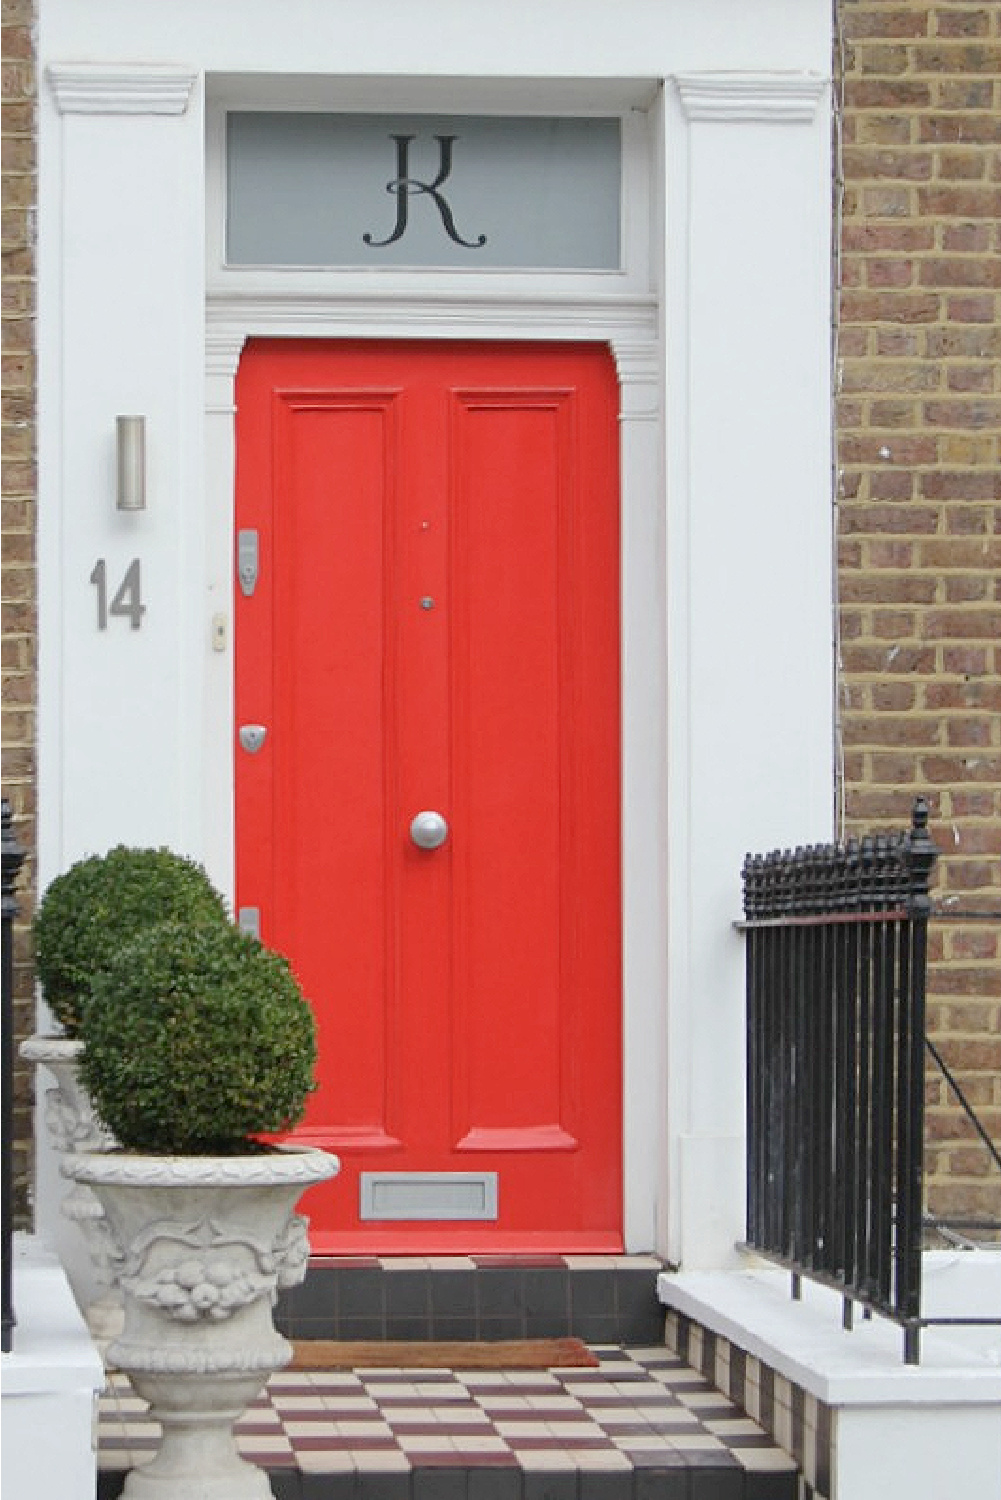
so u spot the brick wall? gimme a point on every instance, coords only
(17, 438)
(919, 417)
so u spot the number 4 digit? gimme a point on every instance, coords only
(128, 600)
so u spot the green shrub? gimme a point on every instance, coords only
(101, 903)
(196, 1038)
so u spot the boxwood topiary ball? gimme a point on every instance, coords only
(196, 1039)
(100, 903)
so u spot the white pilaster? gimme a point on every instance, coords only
(122, 232)
(121, 266)
(645, 828)
(748, 600)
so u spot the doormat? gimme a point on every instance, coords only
(492, 1354)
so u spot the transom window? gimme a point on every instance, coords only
(483, 192)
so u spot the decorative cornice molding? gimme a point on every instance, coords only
(337, 312)
(120, 89)
(223, 348)
(782, 98)
(629, 325)
(638, 363)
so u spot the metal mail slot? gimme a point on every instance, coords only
(428, 1195)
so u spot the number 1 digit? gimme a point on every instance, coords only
(99, 578)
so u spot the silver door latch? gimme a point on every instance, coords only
(252, 737)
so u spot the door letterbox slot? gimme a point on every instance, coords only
(428, 1195)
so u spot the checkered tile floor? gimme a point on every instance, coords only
(641, 1410)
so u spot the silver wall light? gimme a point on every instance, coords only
(131, 436)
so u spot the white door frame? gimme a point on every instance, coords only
(616, 310)
(631, 334)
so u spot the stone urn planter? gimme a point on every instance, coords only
(202, 1245)
(85, 917)
(199, 1048)
(74, 1126)
(70, 1117)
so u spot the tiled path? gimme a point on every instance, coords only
(643, 1426)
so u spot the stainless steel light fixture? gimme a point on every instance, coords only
(131, 436)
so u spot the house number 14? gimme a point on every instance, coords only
(127, 599)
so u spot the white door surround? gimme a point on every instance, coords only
(719, 326)
(482, 307)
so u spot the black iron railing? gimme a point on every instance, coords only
(13, 857)
(836, 958)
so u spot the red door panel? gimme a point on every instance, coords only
(435, 626)
(510, 781)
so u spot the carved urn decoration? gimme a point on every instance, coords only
(203, 1245)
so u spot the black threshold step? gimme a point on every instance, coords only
(601, 1299)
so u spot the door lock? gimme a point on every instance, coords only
(252, 737)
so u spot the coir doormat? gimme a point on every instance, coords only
(493, 1354)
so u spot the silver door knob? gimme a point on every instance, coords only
(429, 830)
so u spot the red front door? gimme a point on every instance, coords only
(432, 626)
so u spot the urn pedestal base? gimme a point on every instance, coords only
(198, 1457)
(201, 1247)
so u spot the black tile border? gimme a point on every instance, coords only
(796, 1421)
(653, 1482)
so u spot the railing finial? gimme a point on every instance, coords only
(921, 856)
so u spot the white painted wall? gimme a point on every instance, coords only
(51, 1380)
(748, 582)
(554, 38)
(727, 654)
(889, 1450)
